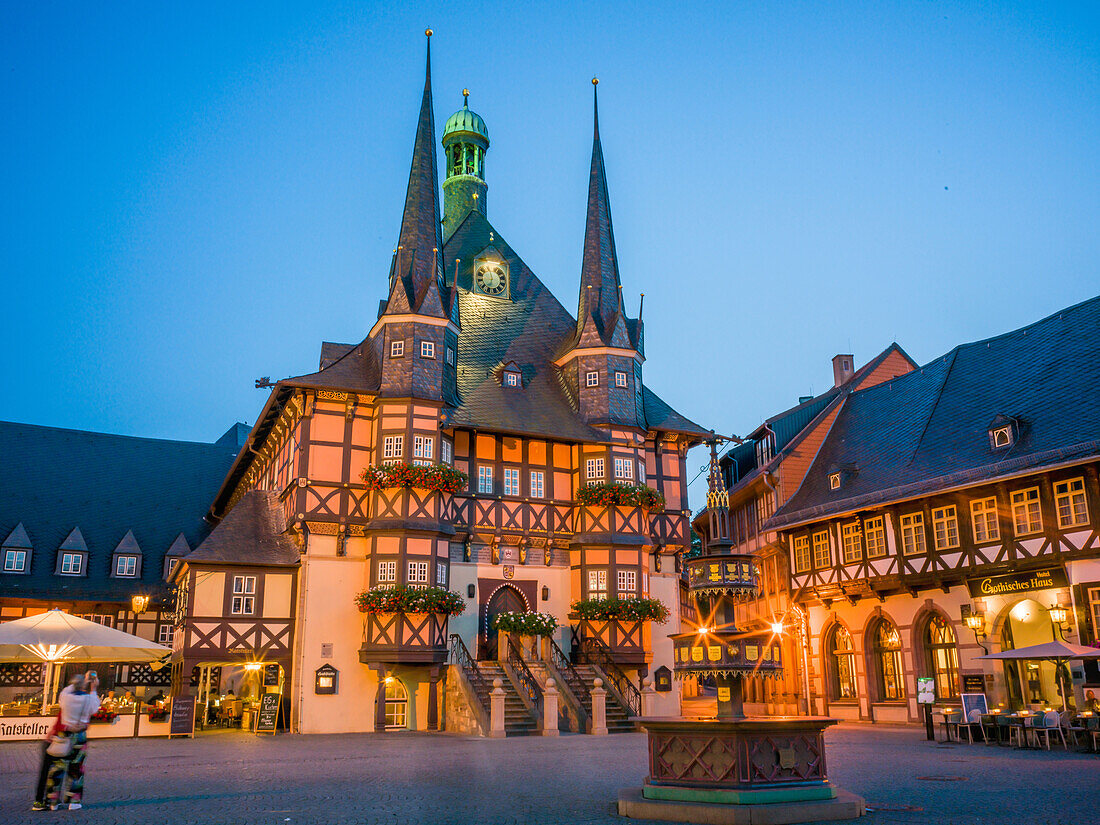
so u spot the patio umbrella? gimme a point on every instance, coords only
(1058, 652)
(56, 636)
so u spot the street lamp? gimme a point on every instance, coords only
(1059, 615)
(975, 620)
(139, 603)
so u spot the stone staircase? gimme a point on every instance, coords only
(618, 718)
(518, 720)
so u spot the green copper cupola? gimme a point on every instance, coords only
(465, 142)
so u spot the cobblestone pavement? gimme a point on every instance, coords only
(230, 778)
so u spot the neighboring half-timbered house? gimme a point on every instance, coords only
(470, 362)
(950, 511)
(93, 524)
(760, 475)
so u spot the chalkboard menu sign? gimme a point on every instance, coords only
(973, 683)
(182, 722)
(268, 717)
(271, 675)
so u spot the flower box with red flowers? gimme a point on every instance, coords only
(437, 477)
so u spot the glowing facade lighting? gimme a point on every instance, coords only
(777, 628)
(1059, 614)
(50, 653)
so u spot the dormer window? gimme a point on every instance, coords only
(72, 564)
(834, 481)
(1003, 432)
(511, 379)
(126, 566)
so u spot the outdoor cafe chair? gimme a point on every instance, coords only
(973, 720)
(1045, 723)
(991, 728)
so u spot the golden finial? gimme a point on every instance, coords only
(595, 81)
(465, 97)
(427, 32)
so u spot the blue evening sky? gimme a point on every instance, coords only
(195, 195)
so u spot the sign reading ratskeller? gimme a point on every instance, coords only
(1011, 583)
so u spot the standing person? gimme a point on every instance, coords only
(47, 759)
(76, 711)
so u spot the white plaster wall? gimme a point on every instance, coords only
(665, 587)
(327, 614)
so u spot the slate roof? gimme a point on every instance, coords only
(252, 533)
(927, 430)
(790, 423)
(63, 484)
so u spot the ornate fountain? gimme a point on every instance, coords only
(731, 767)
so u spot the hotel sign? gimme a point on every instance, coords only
(1011, 583)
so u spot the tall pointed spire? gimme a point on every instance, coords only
(418, 263)
(601, 292)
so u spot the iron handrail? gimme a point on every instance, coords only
(527, 681)
(597, 653)
(460, 655)
(569, 673)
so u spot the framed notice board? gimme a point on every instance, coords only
(973, 683)
(182, 720)
(268, 717)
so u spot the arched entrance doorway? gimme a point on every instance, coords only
(397, 704)
(1031, 682)
(505, 600)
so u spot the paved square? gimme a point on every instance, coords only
(418, 778)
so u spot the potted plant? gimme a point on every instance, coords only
(631, 610)
(621, 495)
(402, 599)
(530, 629)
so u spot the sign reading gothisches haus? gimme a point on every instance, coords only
(23, 728)
(1011, 583)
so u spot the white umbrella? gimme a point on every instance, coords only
(56, 636)
(1058, 652)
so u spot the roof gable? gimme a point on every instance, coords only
(18, 538)
(74, 542)
(128, 545)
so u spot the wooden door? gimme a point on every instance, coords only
(505, 600)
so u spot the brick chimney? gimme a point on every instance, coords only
(843, 369)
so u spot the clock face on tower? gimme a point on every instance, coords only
(491, 278)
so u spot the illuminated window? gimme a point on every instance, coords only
(822, 557)
(397, 349)
(422, 450)
(593, 469)
(1001, 437)
(886, 650)
(874, 537)
(592, 379)
(72, 564)
(945, 527)
(427, 349)
(511, 379)
(1069, 501)
(15, 561)
(387, 571)
(244, 595)
(126, 566)
(536, 484)
(842, 670)
(1026, 516)
(620, 379)
(393, 447)
(942, 657)
(484, 479)
(983, 519)
(511, 481)
(912, 534)
(641, 472)
(834, 481)
(801, 546)
(418, 574)
(849, 538)
(624, 468)
(597, 584)
(628, 584)
(397, 704)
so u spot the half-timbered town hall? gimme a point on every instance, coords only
(470, 363)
